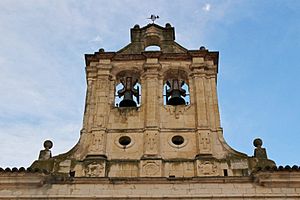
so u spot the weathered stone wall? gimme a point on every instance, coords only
(152, 126)
(159, 139)
(263, 186)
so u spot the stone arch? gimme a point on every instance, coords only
(152, 39)
(153, 48)
(176, 83)
(127, 87)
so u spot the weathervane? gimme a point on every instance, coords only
(153, 18)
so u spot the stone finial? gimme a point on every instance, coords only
(202, 48)
(168, 25)
(260, 159)
(136, 26)
(101, 50)
(259, 152)
(46, 153)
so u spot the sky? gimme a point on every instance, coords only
(42, 76)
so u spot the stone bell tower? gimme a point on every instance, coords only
(151, 130)
(152, 114)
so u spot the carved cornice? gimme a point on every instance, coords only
(22, 180)
(113, 56)
(289, 179)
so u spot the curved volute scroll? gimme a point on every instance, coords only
(128, 89)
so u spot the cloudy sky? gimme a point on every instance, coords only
(42, 78)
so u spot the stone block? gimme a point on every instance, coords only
(124, 169)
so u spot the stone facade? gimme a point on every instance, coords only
(275, 185)
(151, 129)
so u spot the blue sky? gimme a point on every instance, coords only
(42, 78)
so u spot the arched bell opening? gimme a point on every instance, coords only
(176, 88)
(152, 48)
(152, 39)
(127, 90)
(176, 96)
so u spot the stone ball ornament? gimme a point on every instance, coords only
(257, 142)
(48, 144)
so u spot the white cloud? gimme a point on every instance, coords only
(206, 7)
(97, 39)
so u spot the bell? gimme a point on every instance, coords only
(175, 93)
(127, 92)
(176, 99)
(128, 100)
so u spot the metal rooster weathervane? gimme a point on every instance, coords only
(153, 18)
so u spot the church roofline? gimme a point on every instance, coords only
(114, 56)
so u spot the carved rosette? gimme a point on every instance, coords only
(151, 168)
(125, 113)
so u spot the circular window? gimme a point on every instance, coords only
(124, 140)
(177, 140)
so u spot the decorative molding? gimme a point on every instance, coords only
(151, 143)
(116, 141)
(97, 143)
(185, 142)
(177, 111)
(205, 146)
(94, 169)
(125, 112)
(151, 168)
(278, 179)
(207, 168)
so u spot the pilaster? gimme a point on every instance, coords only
(198, 79)
(100, 101)
(102, 93)
(152, 88)
(88, 118)
(150, 76)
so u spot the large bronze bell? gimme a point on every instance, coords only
(175, 92)
(127, 92)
